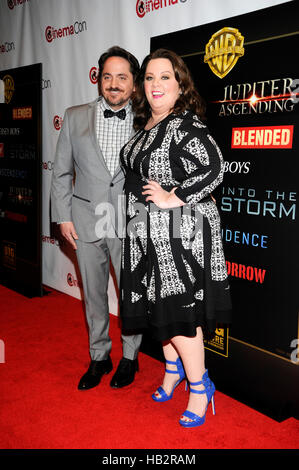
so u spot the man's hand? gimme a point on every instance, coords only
(68, 231)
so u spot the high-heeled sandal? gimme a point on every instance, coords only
(179, 370)
(209, 390)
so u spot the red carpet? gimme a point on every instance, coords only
(46, 352)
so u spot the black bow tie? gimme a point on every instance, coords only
(120, 114)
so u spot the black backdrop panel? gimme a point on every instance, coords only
(253, 114)
(258, 197)
(20, 180)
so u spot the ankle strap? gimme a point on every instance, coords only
(196, 383)
(206, 382)
(192, 390)
(175, 363)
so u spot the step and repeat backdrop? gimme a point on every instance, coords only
(67, 37)
(242, 58)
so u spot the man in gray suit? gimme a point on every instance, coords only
(88, 151)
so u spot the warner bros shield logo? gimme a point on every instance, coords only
(223, 51)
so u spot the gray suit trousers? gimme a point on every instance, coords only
(94, 263)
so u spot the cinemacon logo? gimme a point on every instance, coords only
(52, 33)
(7, 47)
(93, 75)
(14, 3)
(147, 6)
(72, 282)
(57, 122)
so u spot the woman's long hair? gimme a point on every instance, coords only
(189, 99)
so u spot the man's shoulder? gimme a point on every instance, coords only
(78, 108)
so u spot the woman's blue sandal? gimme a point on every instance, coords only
(180, 371)
(209, 390)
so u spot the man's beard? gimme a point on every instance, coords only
(115, 103)
(120, 102)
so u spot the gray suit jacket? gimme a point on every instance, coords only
(81, 179)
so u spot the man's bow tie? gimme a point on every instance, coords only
(120, 114)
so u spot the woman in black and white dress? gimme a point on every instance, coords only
(174, 278)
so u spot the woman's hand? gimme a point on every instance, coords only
(156, 194)
(163, 199)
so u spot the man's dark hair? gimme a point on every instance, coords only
(117, 51)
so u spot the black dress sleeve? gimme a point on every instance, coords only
(202, 160)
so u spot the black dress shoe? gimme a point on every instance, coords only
(94, 374)
(125, 373)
